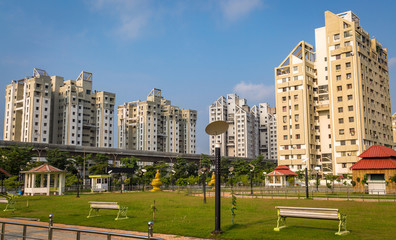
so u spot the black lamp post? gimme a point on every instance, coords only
(144, 179)
(203, 172)
(231, 169)
(251, 178)
(78, 185)
(214, 129)
(306, 183)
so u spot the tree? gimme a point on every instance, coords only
(130, 162)
(183, 169)
(101, 161)
(14, 159)
(60, 160)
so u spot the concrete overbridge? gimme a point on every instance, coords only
(114, 154)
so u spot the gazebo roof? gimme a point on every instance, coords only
(5, 172)
(282, 170)
(377, 151)
(376, 157)
(45, 168)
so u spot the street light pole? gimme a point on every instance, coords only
(214, 129)
(251, 182)
(306, 183)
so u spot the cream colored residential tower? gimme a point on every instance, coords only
(48, 109)
(251, 131)
(156, 125)
(334, 103)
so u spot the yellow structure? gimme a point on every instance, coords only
(212, 181)
(156, 183)
(333, 103)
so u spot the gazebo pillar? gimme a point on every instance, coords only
(48, 183)
(61, 180)
(33, 182)
(41, 180)
(26, 182)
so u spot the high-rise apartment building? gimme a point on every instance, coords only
(267, 131)
(156, 125)
(394, 130)
(251, 131)
(335, 103)
(48, 109)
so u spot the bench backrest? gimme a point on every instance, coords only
(3, 200)
(105, 205)
(302, 212)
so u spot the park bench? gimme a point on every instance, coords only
(313, 213)
(10, 203)
(95, 206)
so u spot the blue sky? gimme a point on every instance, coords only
(195, 51)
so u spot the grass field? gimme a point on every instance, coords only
(187, 215)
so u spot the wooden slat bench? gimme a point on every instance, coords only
(313, 213)
(95, 206)
(10, 204)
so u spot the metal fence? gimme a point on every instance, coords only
(76, 233)
(323, 193)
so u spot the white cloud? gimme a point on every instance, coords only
(133, 15)
(236, 9)
(392, 61)
(255, 92)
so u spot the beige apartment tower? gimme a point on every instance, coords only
(333, 103)
(251, 131)
(48, 109)
(156, 125)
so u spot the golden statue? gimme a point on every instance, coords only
(156, 183)
(212, 181)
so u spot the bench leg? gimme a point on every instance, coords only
(122, 213)
(281, 223)
(342, 225)
(10, 207)
(95, 212)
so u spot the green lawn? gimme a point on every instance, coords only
(187, 215)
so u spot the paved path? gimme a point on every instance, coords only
(42, 233)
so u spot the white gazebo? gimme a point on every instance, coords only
(51, 180)
(280, 177)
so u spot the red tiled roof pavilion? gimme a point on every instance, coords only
(376, 157)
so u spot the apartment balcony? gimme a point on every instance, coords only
(323, 107)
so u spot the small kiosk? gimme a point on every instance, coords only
(280, 177)
(99, 183)
(51, 180)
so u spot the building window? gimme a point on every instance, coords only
(352, 131)
(342, 143)
(284, 119)
(284, 137)
(336, 37)
(297, 136)
(349, 86)
(295, 97)
(341, 131)
(340, 109)
(296, 107)
(348, 54)
(351, 119)
(297, 126)
(337, 46)
(339, 88)
(341, 120)
(338, 77)
(348, 65)
(285, 127)
(339, 99)
(350, 97)
(350, 108)
(284, 108)
(338, 56)
(296, 117)
(283, 99)
(348, 75)
(347, 34)
(344, 165)
(295, 69)
(338, 67)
